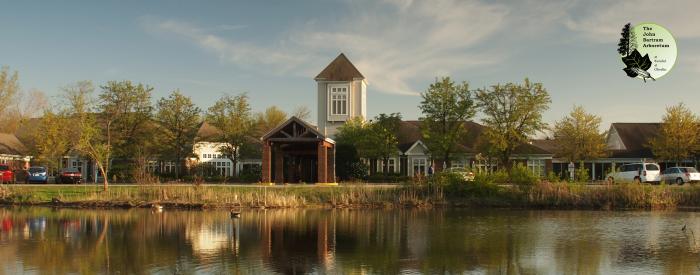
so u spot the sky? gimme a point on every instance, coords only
(272, 50)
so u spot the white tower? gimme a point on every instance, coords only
(342, 94)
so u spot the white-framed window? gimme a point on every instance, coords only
(536, 166)
(419, 165)
(392, 165)
(223, 168)
(168, 167)
(152, 166)
(338, 99)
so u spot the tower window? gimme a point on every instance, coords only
(338, 99)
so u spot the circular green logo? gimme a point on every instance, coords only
(648, 51)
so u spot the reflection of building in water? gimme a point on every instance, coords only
(295, 243)
(208, 240)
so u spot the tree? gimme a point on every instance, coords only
(302, 112)
(9, 87)
(578, 136)
(232, 116)
(9, 90)
(512, 112)
(52, 142)
(178, 118)
(678, 136)
(445, 107)
(371, 140)
(89, 137)
(125, 108)
(382, 139)
(268, 120)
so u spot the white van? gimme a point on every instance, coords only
(636, 172)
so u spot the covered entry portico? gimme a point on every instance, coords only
(296, 152)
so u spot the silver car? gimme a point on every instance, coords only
(680, 175)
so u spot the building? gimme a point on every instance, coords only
(207, 152)
(626, 143)
(342, 95)
(13, 152)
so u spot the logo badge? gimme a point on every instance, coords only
(648, 51)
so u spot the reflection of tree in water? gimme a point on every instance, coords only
(328, 241)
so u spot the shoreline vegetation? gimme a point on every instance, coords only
(539, 195)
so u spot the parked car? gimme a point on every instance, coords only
(6, 174)
(467, 175)
(636, 172)
(69, 175)
(37, 174)
(680, 175)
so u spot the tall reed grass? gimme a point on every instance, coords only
(450, 192)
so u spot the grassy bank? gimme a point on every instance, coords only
(218, 196)
(538, 195)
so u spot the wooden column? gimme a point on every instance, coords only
(266, 163)
(322, 163)
(279, 165)
(331, 164)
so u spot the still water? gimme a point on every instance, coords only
(37, 240)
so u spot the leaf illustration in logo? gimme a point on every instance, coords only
(630, 72)
(635, 60)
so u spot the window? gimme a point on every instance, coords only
(392, 165)
(419, 166)
(652, 167)
(536, 166)
(222, 168)
(168, 167)
(338, 100)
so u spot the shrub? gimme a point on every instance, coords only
(253, 174)
(519, 174)
(581, 173)
(553, 177)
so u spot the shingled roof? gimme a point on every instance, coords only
(635, 137)
(409, 132)
(10, 145)
(340, 69)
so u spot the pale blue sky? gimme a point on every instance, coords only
(273, 49)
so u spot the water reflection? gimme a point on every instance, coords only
(137, 241)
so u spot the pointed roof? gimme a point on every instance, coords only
(340, 69)
(635, 136)
(10, 145)
(295, 129)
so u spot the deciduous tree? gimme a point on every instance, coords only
(232, 116)
(678, 136)
(512, 113)
(51, 138)
(302, 112)
(445, 107)
(125, 108)
(268, 120)
(88, 136)
(178, 118)
(578, 136)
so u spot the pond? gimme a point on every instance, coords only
(296, 241)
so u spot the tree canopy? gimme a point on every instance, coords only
(512, 113)
(178, 118)
(678, 136)
(578, 136)
(232, 115)
(445, 108)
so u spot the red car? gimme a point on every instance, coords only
(69, 175)
(6, 174)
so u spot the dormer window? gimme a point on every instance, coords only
(338, 97)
